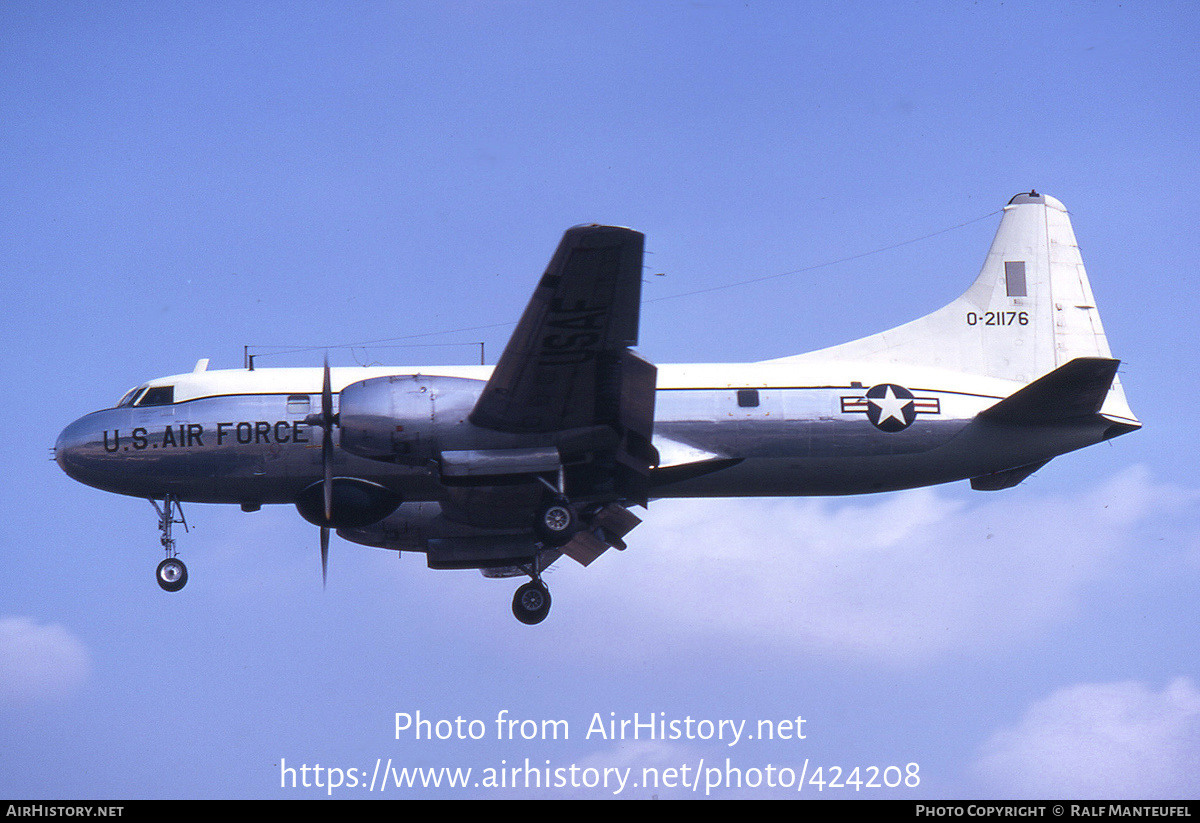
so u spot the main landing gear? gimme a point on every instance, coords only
(555, 522)
(531, 603)
(171, 573)
(583, 533)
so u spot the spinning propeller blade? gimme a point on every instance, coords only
(327, 421)
(324, 555)
(327, 439)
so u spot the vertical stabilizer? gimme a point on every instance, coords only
(1030, 310)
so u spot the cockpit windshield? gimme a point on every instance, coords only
(146, 395)
(130, 396)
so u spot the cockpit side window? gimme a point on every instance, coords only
(157, 396)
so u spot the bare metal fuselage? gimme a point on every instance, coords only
(799, 438)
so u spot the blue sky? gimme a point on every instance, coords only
(186, 179)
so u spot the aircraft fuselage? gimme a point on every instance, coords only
(762, 429)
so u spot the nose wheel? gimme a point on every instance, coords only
(171, 574)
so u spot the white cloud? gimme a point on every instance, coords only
(39, 662)
(1114, 740)
(900, 577)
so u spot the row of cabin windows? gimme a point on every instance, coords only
(165, 396)
(299, 403)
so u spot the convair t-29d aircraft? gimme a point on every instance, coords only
(505, 469)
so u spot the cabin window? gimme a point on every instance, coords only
(298, 404)
(747, 398)
(158, 396)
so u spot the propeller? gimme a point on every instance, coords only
(326, 420)
(324, 556)
(359, 502)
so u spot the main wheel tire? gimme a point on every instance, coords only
(171, 574)
(556, 523)
(531, 603)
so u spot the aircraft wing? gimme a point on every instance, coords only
(562, 367)
(568, 372)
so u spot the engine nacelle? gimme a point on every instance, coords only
(356, 503)
(422, 527)
(405, 418)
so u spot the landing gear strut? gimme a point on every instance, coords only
(171, 573)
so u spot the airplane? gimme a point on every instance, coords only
(507, 468)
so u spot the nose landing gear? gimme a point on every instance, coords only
(171, 573)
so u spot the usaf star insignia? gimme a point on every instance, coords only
(889, 407)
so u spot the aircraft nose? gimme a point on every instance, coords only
(85, 450)
(70, 449)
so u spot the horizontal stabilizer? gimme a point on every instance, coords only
(1074, 390)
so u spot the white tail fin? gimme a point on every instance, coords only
(1030, 310)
